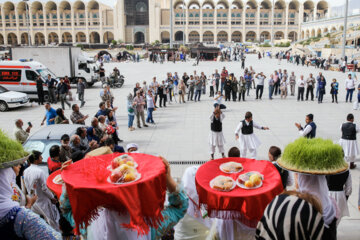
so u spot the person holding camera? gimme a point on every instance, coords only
(21, 135)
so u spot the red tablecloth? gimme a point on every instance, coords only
(88, 189)
(55, 188)
(242, 204)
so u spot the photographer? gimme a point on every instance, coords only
(21, 135)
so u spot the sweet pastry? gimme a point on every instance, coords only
(250, 179)
(222, 183)
(313, 156)
(231, 167)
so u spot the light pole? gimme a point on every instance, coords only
(171, 23)
(272, 23)
(345, 28)
(183, 22)
(27, 21)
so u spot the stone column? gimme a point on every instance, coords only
(31, 27)
(73, 26)
(300, 20)
(101, 30)
(201, 25)
(17, 26)
(229, 24)
(186, 33)
(46, 37)
(287, 21)
(258, 23)
(120, 21)
(152, 22)
(215, 25)
(243, 21)
(3, 26)
(315, 13)
(156, 30)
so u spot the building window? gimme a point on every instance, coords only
(141, 7)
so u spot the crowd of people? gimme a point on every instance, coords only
(184, 217)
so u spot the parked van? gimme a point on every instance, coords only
(21, 76)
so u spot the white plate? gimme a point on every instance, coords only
(121, 183)
(252, 172)
(110, 167)
(233, 186)
(55, 178)
(222, 165)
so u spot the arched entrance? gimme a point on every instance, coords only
(1, 39)
(194, 37)
(165, 37)
(292, 36)
(208, 37)
(250, 36)
(66, 37)
(279, 35)
(94, 37)
(179, 36)
(139, 38)
(24, 39)
(222, 36)
(39, 39)
(265, 35)
(12, 39)
(108, 37)
(80, 37)
(236, 37)
(53, 38)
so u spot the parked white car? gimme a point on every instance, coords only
(11, 99)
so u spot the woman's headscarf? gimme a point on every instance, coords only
(7, 176)
(289, 217)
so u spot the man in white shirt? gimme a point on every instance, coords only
(244, 133)
(309, 131)
(21, 135)
(292, 80)
(350, 87)
(260, 85)
(35, 182)
(301, 88)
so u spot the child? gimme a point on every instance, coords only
(234, 152)
(286, 178)
(216, 137)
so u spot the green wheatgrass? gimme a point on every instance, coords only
(10, 149)
(313, 154)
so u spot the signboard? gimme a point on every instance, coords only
(10, 75)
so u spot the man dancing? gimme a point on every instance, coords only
(244, 133)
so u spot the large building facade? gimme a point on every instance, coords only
(140, 21)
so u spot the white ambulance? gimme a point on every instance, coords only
(21, 76)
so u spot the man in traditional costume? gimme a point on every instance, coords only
(216, 137)
(348, 140)
(244, 133)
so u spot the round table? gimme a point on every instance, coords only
(246, 205)
(55, 188)
(88, 190)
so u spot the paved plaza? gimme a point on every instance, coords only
(181, 130)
